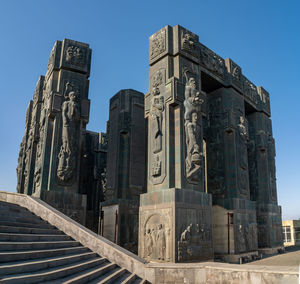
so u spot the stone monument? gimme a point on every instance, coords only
(59, 114)
(175, 222)
(125, 173)
(205, 187)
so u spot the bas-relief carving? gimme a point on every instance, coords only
(240, 242)
(243, 155)
(250, 91)
(272, 167)
(191, 242)
(20, 166)
(51, 58)
(70, 126)
(158, 44)
(156, 125)
(107, 192)
(40, 145)
(212, 61)
(193, 129)
(75, 55)
(189, 43)
(235, 71)
(28, 150)
(156, 110)
(156, 238)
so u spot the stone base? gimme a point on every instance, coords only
(270, 251)
(269, 226)
(235, 227)
(239, 258)
(119, 222)
(175, 225)
(69, 203)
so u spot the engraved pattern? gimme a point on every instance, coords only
(158, 44)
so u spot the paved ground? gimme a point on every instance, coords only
(291, 257)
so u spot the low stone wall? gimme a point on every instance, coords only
(220, 273)
(200, 273)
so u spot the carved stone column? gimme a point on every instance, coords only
(63, 119)
(33, 136)
(175, 213)
(24, 153)
(263, 181)
(126, 166)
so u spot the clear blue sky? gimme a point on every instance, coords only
(263, 37)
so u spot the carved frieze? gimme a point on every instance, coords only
(156, 238)
(191, 244)
(157, 44)
(235, 71)
(250, 91)
(189, 43)
(212, 61)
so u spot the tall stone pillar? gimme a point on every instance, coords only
(63, 119)
(93, 175)
(263, 178)
(125, 173)
(33, 136)
(175, 214)
(23, 158)
(228, 175)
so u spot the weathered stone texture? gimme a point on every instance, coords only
(126, 166)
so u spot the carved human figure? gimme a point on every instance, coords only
(103, 178)
(156, 110)
(20, 162)
(194, 154)
(161, 242)
(188, 42)
(148, 243)
(38, 163)
(70, 120)
(241, 245)
(192, 105)
(186, 234)
(192, 100)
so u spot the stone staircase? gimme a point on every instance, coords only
(33, 251)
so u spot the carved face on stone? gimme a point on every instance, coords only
(194, 117)
(242, 119)
(72, 96)
(192, 82)
(155, 91)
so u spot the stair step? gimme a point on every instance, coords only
(53, 273)
(10, 256)
(105, 275)
(22, 219)
(25, 230)
(10, 212)
(129, 278)
(113, 276)
(87, 275)
(11, 205)
(40, 264)
(14, 210)
(27, 225)
(11, 237)
(11, 246)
